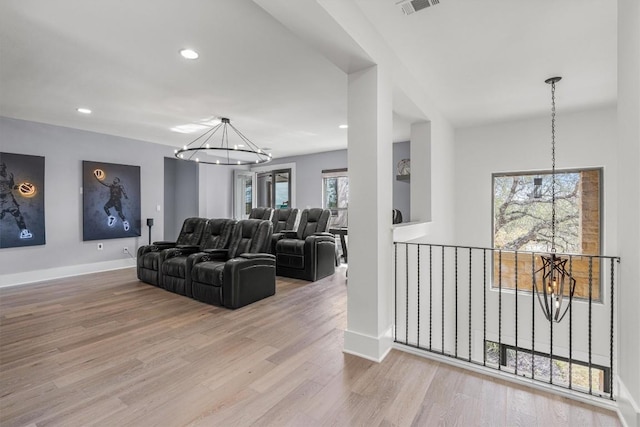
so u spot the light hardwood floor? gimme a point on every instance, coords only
(106, 349)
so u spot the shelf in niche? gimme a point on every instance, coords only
(404, 178)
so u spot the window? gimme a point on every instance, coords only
(560, 367)
(335, 195)
(522, 221)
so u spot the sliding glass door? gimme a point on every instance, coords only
(274, 188)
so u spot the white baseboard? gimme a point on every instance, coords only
(61, 272)
(367, 346)
(628, 408)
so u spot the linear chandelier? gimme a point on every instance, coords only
(205, 149)
(556, 280)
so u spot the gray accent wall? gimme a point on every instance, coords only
(181, 188)
(64, 149)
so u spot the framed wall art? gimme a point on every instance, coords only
(21, 200)
(111, 201)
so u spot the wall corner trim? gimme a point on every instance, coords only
(367, 346)
(628, 408)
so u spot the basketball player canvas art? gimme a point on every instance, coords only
(21, 200)
(111, 200)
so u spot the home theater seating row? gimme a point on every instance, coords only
(234, 263)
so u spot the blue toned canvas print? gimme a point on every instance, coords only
(21, 200)
(111, 200)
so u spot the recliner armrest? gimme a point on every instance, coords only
(258, 256)
(289, 234)
(188, 249)
(216, 254)
(324, 234)
(164, 243)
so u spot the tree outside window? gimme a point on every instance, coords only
(522, 221)
(335, 195)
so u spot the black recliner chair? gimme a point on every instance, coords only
(308, 253)
(240, 275)
(283, 219)
(175, 270)
(150, 257)
(261, 213)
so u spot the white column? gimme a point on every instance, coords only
(421, 171)
(369, 326)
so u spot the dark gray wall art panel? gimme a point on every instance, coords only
(21, 200)
(111, 200)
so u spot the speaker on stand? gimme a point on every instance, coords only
(149, 224)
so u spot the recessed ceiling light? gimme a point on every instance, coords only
(83, 110)
(343, 126)
(189, 54)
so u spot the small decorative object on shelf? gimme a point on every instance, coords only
(404, 167)
(404, 170)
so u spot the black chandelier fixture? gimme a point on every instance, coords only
(209, 150)
(556, 282)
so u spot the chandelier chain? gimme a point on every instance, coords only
(553, 166)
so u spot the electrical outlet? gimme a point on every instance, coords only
(100, 246)
(125, 250)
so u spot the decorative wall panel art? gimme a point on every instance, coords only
(21, 200)
(111, 200)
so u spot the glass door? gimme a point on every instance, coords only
(274, 189)
(244, 193)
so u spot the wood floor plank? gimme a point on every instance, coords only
(105, 349)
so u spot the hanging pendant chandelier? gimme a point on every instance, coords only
(556, 282)
(213, 147)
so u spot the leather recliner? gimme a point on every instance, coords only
(309, 252)
(175, 270)
(240, 275)
(150, 257)
(283, 219)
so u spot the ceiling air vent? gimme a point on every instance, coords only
(412, 6)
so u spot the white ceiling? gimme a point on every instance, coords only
(479, 61)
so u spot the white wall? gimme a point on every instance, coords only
(629, 206)
(584, 139)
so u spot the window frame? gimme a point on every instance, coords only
(493, 285)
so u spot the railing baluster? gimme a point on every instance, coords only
(484, 307)
(430, 293)
(590, 301)
(395, 290)
(533, 316)
(456, 301)
(500, 309)
(470, 273)
(418, 302)
(406, 313)
(516, 309)
(571, 331)
(442, 307)
(611, 334)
